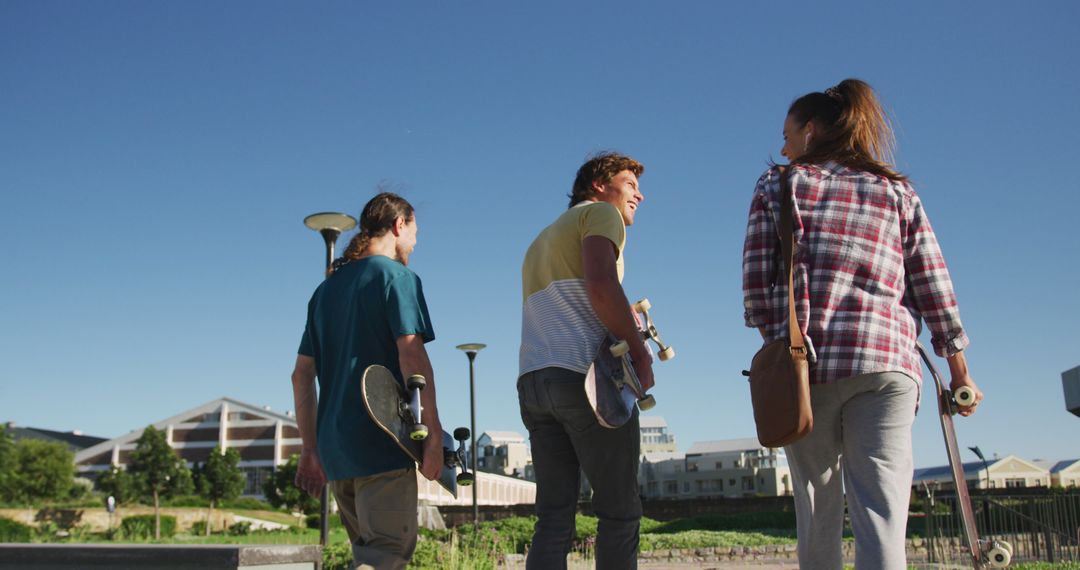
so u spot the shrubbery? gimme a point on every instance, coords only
(12, 531)
(142, 526)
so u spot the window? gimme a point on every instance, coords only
(686, 487)
(719, 464)
(731, 482)
(671, 487)
(1015, 483)
(691, 467)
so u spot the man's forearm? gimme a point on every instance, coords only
(413, 359)
(305, 400)
(613, 309)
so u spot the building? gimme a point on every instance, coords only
(655, 436)
(266, 439)
(1064, 473)
(504, 453)
(74, 440)
(712, 469)
(998, 473)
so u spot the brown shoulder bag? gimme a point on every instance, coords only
(779, 373)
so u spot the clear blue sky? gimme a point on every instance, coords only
(157, 158)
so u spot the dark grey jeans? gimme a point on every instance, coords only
(566, 439)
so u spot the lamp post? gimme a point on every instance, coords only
(986, 467)
(329, 225)
(470, 350)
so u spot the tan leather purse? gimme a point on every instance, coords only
(779, 373)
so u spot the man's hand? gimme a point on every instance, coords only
(958, 371)
(309, 473)
(643, 368)
(433, 459)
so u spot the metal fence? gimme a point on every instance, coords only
(1039, 527)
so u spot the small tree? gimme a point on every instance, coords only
(45, 470)
(116, 483)
(220, 479)
(281, 489)
(7, 465)
(157, 472)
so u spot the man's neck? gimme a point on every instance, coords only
(385, 246)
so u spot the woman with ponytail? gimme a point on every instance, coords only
(867, 270)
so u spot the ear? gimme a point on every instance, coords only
(399, 226)
(598, 187)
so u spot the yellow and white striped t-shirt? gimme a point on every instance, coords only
(558, 324)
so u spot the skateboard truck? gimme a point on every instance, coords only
(415, 384)
(963, 397)
(627, 376)
(456, 458)
(649, 332)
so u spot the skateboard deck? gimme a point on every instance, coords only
(611, 384)
(388, 405)
(984, 553)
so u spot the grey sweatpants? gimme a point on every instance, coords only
(862, 432)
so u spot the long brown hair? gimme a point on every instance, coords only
(853, 128)
(601, 167)
(377, 217)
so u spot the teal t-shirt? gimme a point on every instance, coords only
(354, 320)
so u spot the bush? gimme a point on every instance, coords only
(142, 526)
(12, 531)
(198, 528)
(312, 521)
(778, 520)
(240, 528)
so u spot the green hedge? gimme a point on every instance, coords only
(12, 531)
(142, 526)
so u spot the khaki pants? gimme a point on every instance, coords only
(379, 513)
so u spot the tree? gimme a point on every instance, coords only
(44, 470)
(220, 479)
(281, 489)
(116, 483)
(157, 472)
(7, 465)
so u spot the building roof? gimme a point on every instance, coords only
(971, 468)
(724, 446)
(74, 440)
(652, 422)
(1063, 465)
(187, 416)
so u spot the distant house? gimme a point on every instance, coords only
(1004, 473)
(655, 436)
(1064, 473)
(73, 440)
(504, 453)
(725, 468)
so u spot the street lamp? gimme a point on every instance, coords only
(471, 349)
(329, 225)
(986, 467)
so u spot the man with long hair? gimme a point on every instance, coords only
(573, 296)
(370, 310)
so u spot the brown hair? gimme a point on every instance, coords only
(377, 217)
(601, 167)
(854, 129)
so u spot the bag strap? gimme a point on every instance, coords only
(787, 247)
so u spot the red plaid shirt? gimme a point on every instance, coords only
(867, 269)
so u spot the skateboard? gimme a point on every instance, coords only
(984, 553)
(398, 413)
(611, 384)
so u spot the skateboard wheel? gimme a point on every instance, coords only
(461, 433)
(645, 404)
(964, 396)
(416, 381)
(419, 432)
(620, 348)
(642, 306)
(667, 354)
(465, 479)
(999, 557)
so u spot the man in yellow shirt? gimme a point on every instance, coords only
(573, 296)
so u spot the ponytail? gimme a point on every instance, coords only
(853, 128)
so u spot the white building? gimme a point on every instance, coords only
(655, 436)
(504, 453)
(997, 473)
(726, 468)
